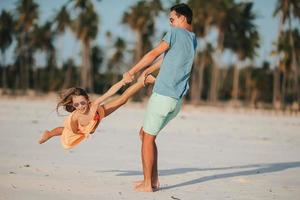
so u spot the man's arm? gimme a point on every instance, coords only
(149, 57)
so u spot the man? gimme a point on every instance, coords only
(178, 46)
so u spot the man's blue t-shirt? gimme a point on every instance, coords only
(175, 70)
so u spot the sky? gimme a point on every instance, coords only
(110, 13)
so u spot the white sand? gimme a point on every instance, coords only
(203, 154)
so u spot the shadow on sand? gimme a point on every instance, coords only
(256, 169)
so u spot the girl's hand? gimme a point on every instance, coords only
(142, 78)
(127, 78)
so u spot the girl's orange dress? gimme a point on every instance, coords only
(69, 139)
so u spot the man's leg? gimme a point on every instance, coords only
(148, 156)
(155, 180)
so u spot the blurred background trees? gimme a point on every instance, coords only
(241, 82)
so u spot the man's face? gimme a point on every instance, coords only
(174, 19)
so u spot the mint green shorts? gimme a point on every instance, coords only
(160, 111)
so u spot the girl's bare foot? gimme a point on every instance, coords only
(44, 137)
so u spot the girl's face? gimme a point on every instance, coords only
(80, 103)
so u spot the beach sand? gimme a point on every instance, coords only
(205, 153)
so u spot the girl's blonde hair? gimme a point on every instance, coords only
(66, 98)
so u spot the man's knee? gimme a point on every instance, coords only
(147, 137)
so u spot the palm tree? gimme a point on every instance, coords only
(70, 73)
(244, 40)
(62, 20)
(85, 26)
(286, 9)
(27, 14)
(140, 19)
(43, 40)
(285, 65)
(223, 18)
(96, 58)
(6, 36)
(116, 60)
(202, 21)
(204, 58)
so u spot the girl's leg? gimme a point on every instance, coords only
(49, 134)
(110, 107)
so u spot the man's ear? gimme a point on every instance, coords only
(183, 18)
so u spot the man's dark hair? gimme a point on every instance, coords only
(185, 10)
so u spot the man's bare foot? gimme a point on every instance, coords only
(155, 184)
(44, 137)
(143, 188)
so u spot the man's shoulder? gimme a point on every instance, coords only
(182, 31)
(177, 30)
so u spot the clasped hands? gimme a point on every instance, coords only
(128, 77)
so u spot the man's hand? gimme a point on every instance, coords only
(143, 77)
(127, 78)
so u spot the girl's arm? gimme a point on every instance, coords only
(150, 69)
(112, 90)
(153, 67)
(74, 124)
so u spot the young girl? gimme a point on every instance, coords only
(85, 114)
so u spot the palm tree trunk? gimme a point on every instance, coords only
(276, 74)
(200, 76)
(115, 74)
(296, 91)
(86, 69)
(195, 80)
(235, 88)
(24, 72)
(248, 85)
(139, 46)
(213, 92)
(36, 79)
(283, 88)
(83, 70)
(138, 56)
(26, 65)
(52, 69)
(4, 75)
(68, 77)
(276, 88)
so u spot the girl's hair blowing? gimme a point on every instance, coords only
(66, 98)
